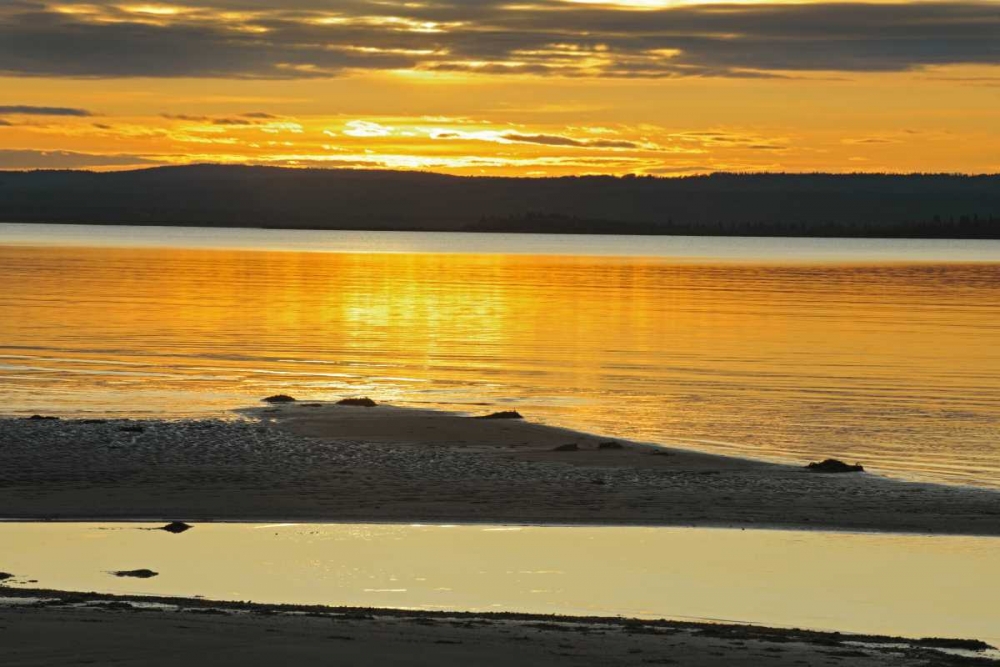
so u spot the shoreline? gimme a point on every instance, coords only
(253, 414)
(247, 605)
(306, 521)
(82, 624)
(466, 229)
(324, 463)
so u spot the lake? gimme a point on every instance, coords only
(878, 351)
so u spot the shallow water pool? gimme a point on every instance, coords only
(908, 585)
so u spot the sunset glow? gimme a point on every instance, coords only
(547, 87)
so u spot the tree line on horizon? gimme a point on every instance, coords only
(758, 204)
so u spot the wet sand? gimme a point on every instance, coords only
(323, 462)
(98, 629)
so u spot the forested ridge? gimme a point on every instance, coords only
(872, 205)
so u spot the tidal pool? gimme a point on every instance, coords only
(906, 585)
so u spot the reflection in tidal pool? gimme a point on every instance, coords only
(905, 585)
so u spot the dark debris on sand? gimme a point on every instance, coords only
(571, 447)
(114, 606)
(279, 398)
(363, 402)
(833, 465)
(505, 414)
(136, 574)
(950, 643)
(176, 527)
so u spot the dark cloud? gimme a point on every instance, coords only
(33, 159)
(24, 110)
(232, 121)
(560, 140)
(244, 120)
(181, 116)
(870, 140)
(323, 38)
(540, 139)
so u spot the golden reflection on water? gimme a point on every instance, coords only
(895, 584)
(896, 365)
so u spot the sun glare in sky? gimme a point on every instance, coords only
(540, 87)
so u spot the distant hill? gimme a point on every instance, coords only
(929, 206)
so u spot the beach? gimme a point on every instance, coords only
(328, 462)
(325, 462)
(50, 627)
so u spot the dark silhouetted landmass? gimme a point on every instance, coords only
(870, 205)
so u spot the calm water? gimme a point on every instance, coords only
(884, 352)
(894, 584)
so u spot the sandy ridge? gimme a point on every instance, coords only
(322, 462)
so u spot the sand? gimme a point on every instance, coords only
(323, 462)
(98, 629)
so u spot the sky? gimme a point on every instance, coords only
(503, 87)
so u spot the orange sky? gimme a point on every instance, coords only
(543, 87)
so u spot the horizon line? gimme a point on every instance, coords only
(423, 172)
